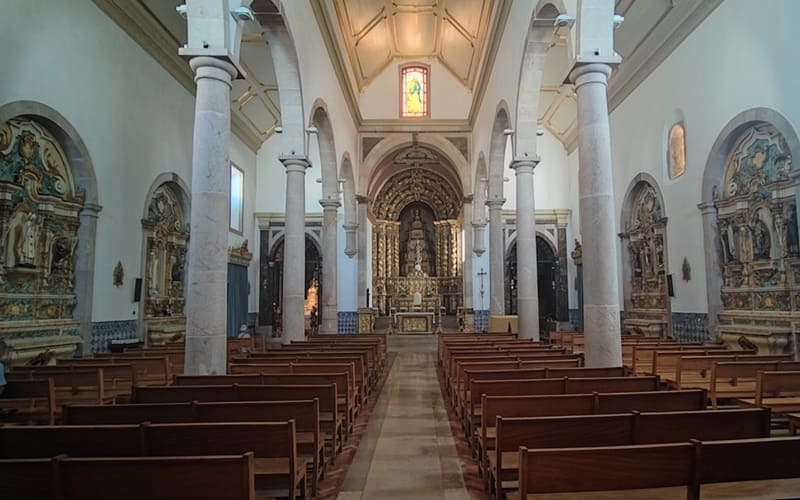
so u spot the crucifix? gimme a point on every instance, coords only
(481, 274)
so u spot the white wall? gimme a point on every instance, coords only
(347, 273)
(739, 58)
(449, 99)
(134, 118)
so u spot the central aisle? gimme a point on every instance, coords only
(407, 451)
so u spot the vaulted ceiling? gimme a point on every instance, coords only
(376, 31)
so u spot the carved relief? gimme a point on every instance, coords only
(757, 231)
(166, 237)
(645, 232)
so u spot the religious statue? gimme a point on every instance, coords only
(27, 237)
(761, 241)
(417, 258)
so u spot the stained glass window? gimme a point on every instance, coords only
(414, 92)
(676, 151)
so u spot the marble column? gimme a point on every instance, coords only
(330, 313)
(350, 248)
(527, 271)
(596, 193)
(478, 232)
(713, 267)
(84, 275)
(467, 267)
(497, 301)
(363, 203)
(207, 290)
(294, 249)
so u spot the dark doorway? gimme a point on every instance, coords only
(270, 302)
(238, 291)
(547, 269)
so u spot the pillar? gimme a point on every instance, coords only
(207, 290)
(713, 267)
(84, 274)
(363, 203)
(330, 310)
(527, 271)
(350, 239)
(497, 305)
(467, 266)
(596, 193)
(294, 249)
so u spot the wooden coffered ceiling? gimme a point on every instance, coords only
(377, 31)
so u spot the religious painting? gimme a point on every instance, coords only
(676, 151)
(414, 91)
(761, 157)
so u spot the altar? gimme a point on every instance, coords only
(415, 322)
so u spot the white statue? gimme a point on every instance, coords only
(26, 243)
(417, 258)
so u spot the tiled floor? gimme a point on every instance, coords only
(407, 450)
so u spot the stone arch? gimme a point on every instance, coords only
(396, 142)
(83, 176)
(644, 283)
(497, 152)
(327, 150)
(481, 190)
(547, 267)
(735, 215)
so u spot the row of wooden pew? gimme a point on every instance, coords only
(522, 420)
(280, 424)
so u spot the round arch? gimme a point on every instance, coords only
(327, 149)
(497, 152)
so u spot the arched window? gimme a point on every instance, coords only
(414, 93)
(676, 151)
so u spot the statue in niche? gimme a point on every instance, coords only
(27, 238)
(761, 241)
(659, 256)
(791, 231)
(417, 257)
(729, 242)
(177, 269)
(745, 244)
(647, 258)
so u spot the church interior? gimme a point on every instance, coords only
(407, 249)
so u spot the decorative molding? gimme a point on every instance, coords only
(241, 255)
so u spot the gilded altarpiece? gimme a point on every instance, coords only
(416, 256)
(758, 242)
(645, 237)
(39, 219)
(166, 236)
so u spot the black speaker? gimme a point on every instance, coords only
(670, 289)
(137, 289)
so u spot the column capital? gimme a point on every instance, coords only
(361, 199)
(468, 199)
(495, 203)
(350, 226)
(213, 68)
(524, 165)
(90, 210)
(707, 208)
(330, 204)
(584, 73)
(295, 163)
(479, 224)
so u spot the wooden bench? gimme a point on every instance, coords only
(579, 404)
(276, 463)
(150, 370)
(90, 384)
(29, 401)
(565, 385)
(198, 478)
(739, 379)
(331, 419)
(778, 391)
(682, 466)
(615, 430)
(695, 371)
(666, 363)
(644, 354)
(305, 414)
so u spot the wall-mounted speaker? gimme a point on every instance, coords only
(137, 289)
(670, 288)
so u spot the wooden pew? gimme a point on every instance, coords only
(31, 401)
(565, 385)
(305, 413)
(643, 355)
(272, 444)
(91, 384)
(684, 467)
(739, 379)
(580, 404)
(695, 371)
(778, 391)
(330, 417)
(615, 430)
(150, 370)
(666, 363)
(198, 478)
